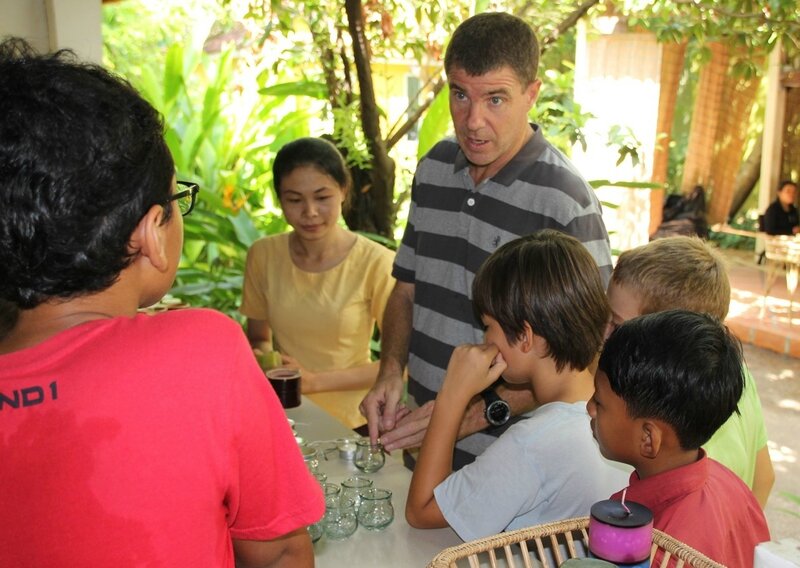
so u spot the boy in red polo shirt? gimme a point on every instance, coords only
(665, 383)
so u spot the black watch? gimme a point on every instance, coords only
(497, 412)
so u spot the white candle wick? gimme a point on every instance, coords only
(624, 506)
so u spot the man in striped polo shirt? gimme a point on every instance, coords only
(497, 180)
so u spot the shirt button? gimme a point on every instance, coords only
(470, 201)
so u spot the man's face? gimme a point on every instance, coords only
(490, 117)
(613, 429)
(624, 303)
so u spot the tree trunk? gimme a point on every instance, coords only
(373, 191)
(746, 178)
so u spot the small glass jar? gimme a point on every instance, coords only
(352, 488)
(376, 511)
(316, 530)
(311, 457)
(332, 491)
(369, 457)
(340, 518)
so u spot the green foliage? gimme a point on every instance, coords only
(561, 118)
(436, 123)
(753, 25)
(218, 134)
(628, 146)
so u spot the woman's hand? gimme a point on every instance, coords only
(308, 380)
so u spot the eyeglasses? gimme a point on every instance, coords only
(185, 194)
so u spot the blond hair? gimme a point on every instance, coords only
(676, 273)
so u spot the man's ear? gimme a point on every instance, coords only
(650, 440)
(532, 91)
(148, 240)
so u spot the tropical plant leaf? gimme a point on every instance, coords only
(436, 123)
(311, 89)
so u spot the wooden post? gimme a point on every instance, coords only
(672, 58)
(773, 134)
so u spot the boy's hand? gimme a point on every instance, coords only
(472, 368)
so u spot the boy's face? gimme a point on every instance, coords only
(624, 303)
(613, 429)
(493, 334)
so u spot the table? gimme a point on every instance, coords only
(399, 545)
(783, 254)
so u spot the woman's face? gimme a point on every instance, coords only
(311, 201)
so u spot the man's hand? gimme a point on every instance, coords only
(382, 404)
(409, 430)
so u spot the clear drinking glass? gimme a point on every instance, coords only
(340, 518)
(369, 457)
(352, 488)
(376, 511)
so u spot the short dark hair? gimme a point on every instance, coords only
(683, 368)
(549, 280)
(82, 159)
(315, 152)
(485, 42)
(785, 182)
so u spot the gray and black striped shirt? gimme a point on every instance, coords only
(454, 225)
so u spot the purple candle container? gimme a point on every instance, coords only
(621, 533)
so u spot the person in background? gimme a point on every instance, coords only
(496, 180)
(545, 312)
(781, 217)
(317, 291)
(685, 273)
(126, 439)
(665, 383)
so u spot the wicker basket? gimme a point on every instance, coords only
(546, 544)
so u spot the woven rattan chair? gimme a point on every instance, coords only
(546, 544)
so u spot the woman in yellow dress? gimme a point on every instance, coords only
(317, 291)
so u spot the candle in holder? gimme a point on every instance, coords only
(621, 532)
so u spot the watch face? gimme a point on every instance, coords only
(498, 413)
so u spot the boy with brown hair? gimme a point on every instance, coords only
(685, 273)
(544, 311)
(665, 383)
